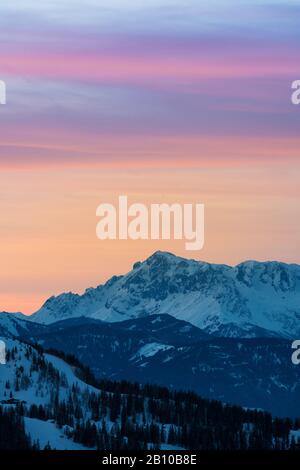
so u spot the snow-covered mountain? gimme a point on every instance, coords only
(247, 300)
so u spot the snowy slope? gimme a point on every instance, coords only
(35, 391)
(58, 407)
(248, 300)
(15, 325)
(31, 378)
(151, 349)
(45, 432)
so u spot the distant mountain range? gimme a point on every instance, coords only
(252, 299)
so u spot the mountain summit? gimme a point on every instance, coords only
(250, 299)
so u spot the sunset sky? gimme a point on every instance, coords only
(162, 100)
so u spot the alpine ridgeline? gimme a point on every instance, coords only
(247, 300)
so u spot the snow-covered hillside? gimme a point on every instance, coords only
(63, 412)
(57, 409)
(25, 366)
(250, 299)
(32, 379)
(47, 433)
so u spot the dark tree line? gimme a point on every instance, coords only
(12, 431)
(125, 415)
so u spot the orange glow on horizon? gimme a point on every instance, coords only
(49, 243)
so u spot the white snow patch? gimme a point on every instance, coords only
(46, 432)
(151, 349)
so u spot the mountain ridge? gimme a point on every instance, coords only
(160, 349)
(209, 296)
(238, 301)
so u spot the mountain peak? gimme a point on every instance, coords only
(157, 256)
(161, 255)
(164, 254)
(214, 297)
(165, 258)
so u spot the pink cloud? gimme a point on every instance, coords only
(138, 69)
